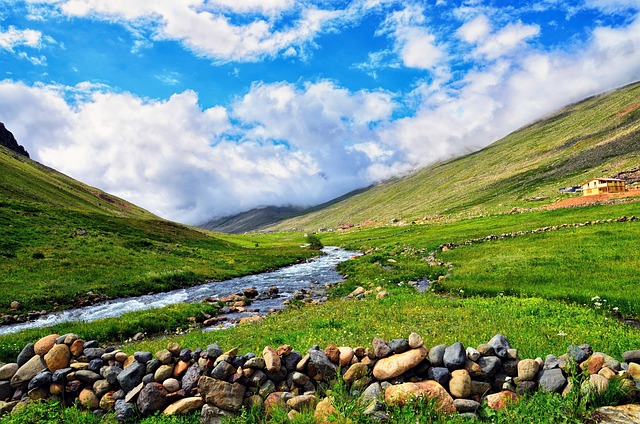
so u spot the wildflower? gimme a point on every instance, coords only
(561, 333)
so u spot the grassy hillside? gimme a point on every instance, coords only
(597, 137)
(63, 243)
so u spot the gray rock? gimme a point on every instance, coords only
(466, 405)
(510, 367)
(500, 345)
(257, 378)
(469, 416)
(223, 370)
(322, 364)
(152, 397)
(190, 379)
(27, 371)
(489, 365)
(211, 414)
(148, 378)
(631, 356)
(131, 376)
(213, 351)
(110, 374)
(221, 394)
(88, 376)
(90, 344)
(185, 355)
(291, 360)
(93, 352)
(473, 354)
(143, 357)
(152, 365)
(526, 386)
(371, 393)
(267, 388)
(124, 410)
(552, 380)
(60, 376)
(255, 363)
(6, 391)
(399, 345)
(25, 354)
(577, 353)
(436, 355)
(551, 362)
(439, 374)
(95, 365)
(381, 348)
(480, 388)
(455, 356)
(43, 378)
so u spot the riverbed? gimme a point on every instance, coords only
(312, 273)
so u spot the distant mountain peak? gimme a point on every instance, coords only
(9, 141)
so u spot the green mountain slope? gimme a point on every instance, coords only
(64, 244)
(597, 137)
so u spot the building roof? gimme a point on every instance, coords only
(602, 180)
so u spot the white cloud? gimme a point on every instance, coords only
(206, 29)
(14, 37)
(475, 30)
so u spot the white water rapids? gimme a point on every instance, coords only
(319, 270)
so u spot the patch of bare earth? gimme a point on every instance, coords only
(596, 198)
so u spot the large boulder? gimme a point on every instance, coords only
(152, 397)
(26, 372)
(396, 365)
(401, 394)
(221, 394)
(131, 376)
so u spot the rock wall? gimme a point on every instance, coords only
(177, 380)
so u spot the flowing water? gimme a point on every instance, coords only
(309, 274)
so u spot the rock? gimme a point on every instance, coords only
(577, 353)
(25, 354)
(174, 348)
(473, 368)
(436, 355)
(124, 410)
(88, 376)
(593, 365)
(596, 383)
(355, 372)
(400, 394)
(510, 367)
(190, 379)
(6, 391)
(171, 385)
(324, 366)
(26, 372)
(460, 384)
(223, 370)
(454, 356)
(472, 354)
(213, 351)
(302, 403)
(346, 355)
(399, 345)
(107, 402)
(42, 379)
(525, 386)
(291, 360)
(623, 414)
(256, 363)
(266, 388)
(184, 406)
(133, 393)
(76, 348)
(500, 400)
(221, 394)
(551, 362)
(527, 369)
(93, 352)
(380, 348)
(57, 357)
(45, 344)
(486, 350)
(396, 365)
(152, 397)
(88, 399)
(325, 412)
(440, 375)
(131, 376)
(466, 405)
(101, 387)
(333, 353)
(371, 393)
(300, 379)
(500, 345)
(415, 341)
(631, 356)
(271, 359)
(110, 374)
(480, 388)
(60, 375)
(8, 370)
(163, 372)
(211, 414)
(164, 356)
(143, 357)
(552, 380)
(607, 373)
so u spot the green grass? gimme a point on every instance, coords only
(594, 265)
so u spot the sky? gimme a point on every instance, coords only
(195, 109)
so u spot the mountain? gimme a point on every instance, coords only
(9, 141)
(597, 137)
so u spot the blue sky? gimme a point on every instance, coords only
(195, 109)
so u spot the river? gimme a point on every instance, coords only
(312, 273)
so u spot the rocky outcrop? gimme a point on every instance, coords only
(9, 141)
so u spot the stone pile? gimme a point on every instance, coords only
(177, 380)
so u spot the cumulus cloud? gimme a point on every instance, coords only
(209, 29)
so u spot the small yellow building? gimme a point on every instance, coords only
(602, 185)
